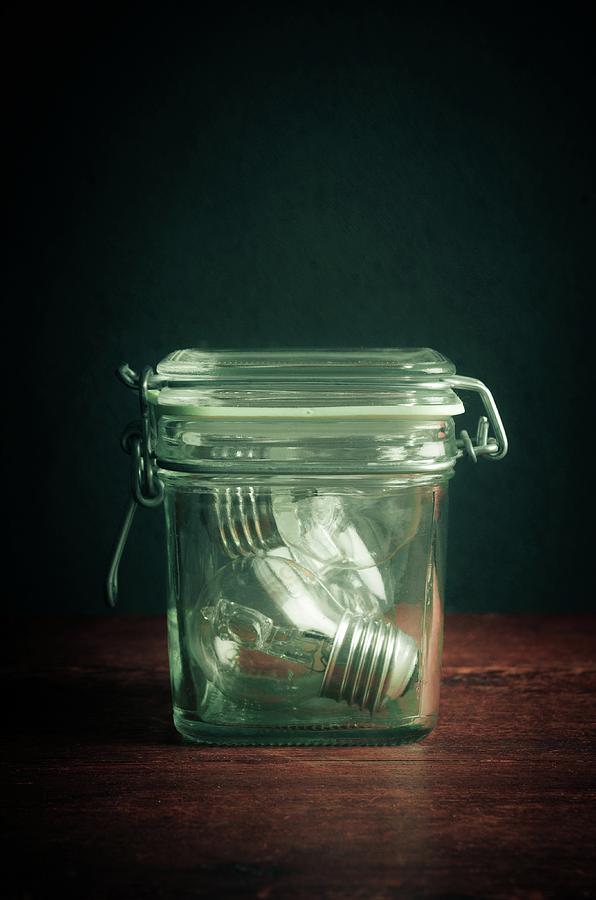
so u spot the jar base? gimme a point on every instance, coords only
(197, 732)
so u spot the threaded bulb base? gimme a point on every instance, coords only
(371, 661)
(244, 522)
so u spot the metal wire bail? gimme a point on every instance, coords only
(146, 488)
(493, 448)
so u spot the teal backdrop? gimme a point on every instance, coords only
(309, 176)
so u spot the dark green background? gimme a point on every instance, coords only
(300, 176)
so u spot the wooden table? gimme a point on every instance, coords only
(106, 802)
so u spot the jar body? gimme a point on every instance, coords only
(305, 609)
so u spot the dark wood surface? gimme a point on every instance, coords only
(105, 801)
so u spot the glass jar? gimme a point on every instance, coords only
(306, 507)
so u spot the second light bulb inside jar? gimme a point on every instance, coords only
(348, 542)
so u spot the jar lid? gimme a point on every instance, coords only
(325, 364)
(301, 384)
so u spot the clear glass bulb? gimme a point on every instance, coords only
(267, 630)
(350, 542)
(332, 535)
(362, 532)
(318, 532)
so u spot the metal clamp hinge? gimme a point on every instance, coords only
(146, 487)
(486, 445)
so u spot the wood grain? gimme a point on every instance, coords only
(104, 801)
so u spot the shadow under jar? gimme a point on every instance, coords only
(306, 506)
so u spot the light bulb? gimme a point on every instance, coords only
(315, 527)
(359, 533)
(267, 630)
(332, 535)
(321, 537)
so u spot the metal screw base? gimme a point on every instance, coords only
(371, 661)
(244, 521)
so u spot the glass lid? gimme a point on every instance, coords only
(305, 383)
(383, 364)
